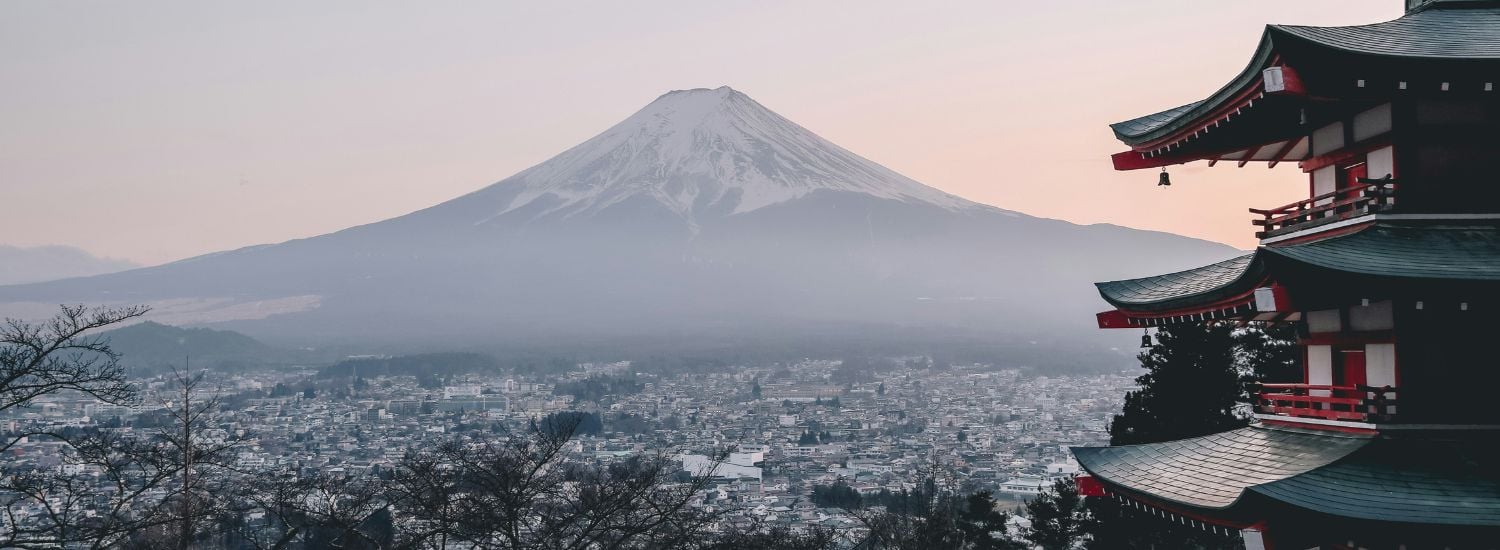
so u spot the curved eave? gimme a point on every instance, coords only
(1214, 471)
(1449, 31)
(1158, 127)
(1436, 252)
(1203, 286)
(1450, 481)
(1462, 32)
(1412, 251)
(1447, 480)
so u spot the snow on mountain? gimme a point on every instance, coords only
(705, 150)
(704, 220)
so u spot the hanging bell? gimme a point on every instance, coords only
(1164, 179)
(1145, 340)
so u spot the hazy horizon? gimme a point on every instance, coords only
(168, 130)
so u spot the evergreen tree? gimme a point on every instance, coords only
(983, 525)
(1192, 387)
(1197, 380)
(1059, 520)
(1270, 354)
(807, 438)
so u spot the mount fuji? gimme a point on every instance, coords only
(704, 220)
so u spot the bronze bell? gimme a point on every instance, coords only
(1145, 340)
(1164, 179)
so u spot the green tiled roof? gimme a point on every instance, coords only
(1139, 126)
(1404, 250)
(1450, 482)
(1458, 30)
(1450, 30)
(1462, 252)
(1214, 471)
(1426, 479)
(1163, 292)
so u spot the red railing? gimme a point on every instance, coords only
(1357, 403)
(1372, 195)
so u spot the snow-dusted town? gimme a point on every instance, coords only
(800, 442)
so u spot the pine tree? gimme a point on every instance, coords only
(1058, 517)
(1197, 379)
(1192, 387)
(1270, 354)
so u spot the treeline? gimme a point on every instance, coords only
(432, 370)
(596, 388)
(908, 502)
(593, 423)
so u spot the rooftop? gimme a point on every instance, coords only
(1445, 480)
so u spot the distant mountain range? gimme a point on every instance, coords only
(702, 222)
(47, 263)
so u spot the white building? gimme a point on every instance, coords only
(450, 392)
(701, 464)
(1024, 486)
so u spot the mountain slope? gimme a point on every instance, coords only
(149, 347)
(46, 263)
(702, 220)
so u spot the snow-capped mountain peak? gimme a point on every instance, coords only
(704, 150)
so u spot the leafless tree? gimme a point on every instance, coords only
(524, 493)
(60, 354)
(203, 460)
(117, 490)
(758, 536)
(281, 509)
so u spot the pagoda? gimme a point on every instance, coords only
(1389, 269)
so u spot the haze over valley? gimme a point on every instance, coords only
(704, 221)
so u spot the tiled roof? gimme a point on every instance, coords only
(1451, 482)
(1139, 126)
(1214, 471)
(1441, 479)
(1161, 292)
(1407, 250)
(1450, 252)
(1446, 30)
(1440, 32)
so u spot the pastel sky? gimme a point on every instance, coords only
(155, 131)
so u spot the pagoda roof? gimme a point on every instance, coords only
(1185, 288)
(1442, 30)
(1426, 479)
(1214, 471)
(1450, 252)
(1392, 249)
(1141, 126)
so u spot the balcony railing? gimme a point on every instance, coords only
(1357, 403)
(1370, 196)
